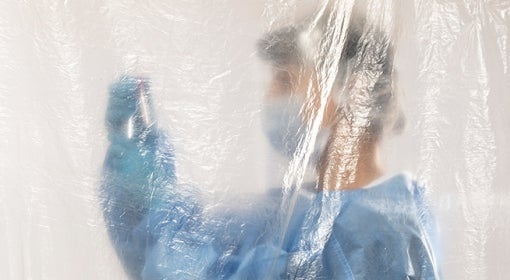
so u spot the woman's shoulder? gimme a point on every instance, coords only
(386, 220)
(397, 186)
(395, 199)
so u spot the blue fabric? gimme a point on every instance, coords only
(161, 230)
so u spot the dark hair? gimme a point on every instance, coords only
(367, 52)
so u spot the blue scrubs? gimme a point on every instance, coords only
(161, 230)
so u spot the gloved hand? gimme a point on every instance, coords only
(129, 112)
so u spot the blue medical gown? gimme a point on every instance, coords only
(161, 230)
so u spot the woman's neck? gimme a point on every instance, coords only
(350, 162)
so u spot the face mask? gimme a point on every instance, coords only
(285, 128)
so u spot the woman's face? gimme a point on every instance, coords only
(294, 81)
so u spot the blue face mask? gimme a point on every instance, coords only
(284, 126)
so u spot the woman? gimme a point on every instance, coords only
(327, 107)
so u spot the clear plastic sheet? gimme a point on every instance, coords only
(254, 139)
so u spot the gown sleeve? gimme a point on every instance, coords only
(160, 229)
